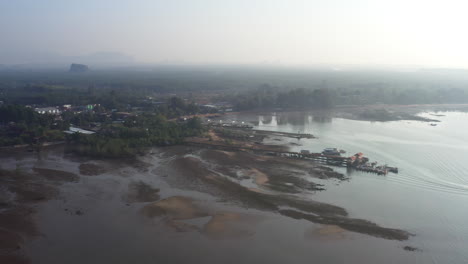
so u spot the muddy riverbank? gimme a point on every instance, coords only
(216, 194)
(280, 179)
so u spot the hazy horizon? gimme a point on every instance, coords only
(286, 33)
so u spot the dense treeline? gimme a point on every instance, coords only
(21, 125)
(116, 89)
(47, 95)
(267, 97)
(144, 100)
(175, 107)
(118, 100)
(365, 96)
(133, 136)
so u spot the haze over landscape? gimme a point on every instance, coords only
(425, 33)
(233, 131)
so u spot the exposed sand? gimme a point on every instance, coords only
(230, 225)
(351, 224)
(256, 190)
(23, 191)
(222, 225)
(174, 208)
(194, 169)
(260, 177)
(326, 232)
(179, 226)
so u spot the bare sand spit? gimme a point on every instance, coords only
(230, 225)
(222, 225)
(193, 168)
(351, 224)
(278, 170)
(260, 177)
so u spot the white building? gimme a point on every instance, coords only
(74, 130)
(47, 110)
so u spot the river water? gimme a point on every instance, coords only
(429, 195)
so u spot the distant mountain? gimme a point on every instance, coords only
(53, 60)
(78, 68)
(104, 58)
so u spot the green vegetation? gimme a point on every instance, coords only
(266, 97)
(137, 131)
(246, 88)
(131, 110)
(133, 136)
(21, 125)
(231, 133)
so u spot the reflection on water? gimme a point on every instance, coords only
(432, 184)
(292, 119)
(322, 119)
(431, 157)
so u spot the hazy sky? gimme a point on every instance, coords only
(396, 32)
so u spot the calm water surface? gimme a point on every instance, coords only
(428, 197)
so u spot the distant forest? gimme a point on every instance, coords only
(132, 110)
(246, 88)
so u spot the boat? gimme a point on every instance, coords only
(393, 169)
(381, 170)
(433, 124)
(331, 152)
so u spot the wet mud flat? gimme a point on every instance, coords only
(177, 211)
(21, 191)
(29, 180)
(218, 195)
(219, 173)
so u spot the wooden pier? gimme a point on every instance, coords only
(259, 131)
(317, 157)
(357, 161)
(282, 134)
